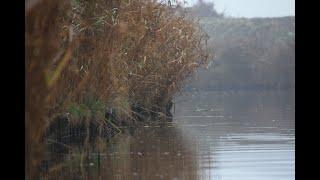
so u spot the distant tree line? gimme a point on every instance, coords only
(249, 53)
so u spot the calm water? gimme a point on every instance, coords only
(214, 135)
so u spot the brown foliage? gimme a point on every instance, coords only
(120, 52)
(42, 42)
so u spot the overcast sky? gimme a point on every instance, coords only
(253, 8)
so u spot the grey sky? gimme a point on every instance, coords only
(253, 8)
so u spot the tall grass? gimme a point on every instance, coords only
(123, 53)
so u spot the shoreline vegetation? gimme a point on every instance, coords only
(92, 66)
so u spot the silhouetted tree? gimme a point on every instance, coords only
(204, 9)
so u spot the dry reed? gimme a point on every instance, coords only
(122, 53)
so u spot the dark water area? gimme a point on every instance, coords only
(244, 135)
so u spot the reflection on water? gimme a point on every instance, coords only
(152, 153)
(214, 135)
(250, 137)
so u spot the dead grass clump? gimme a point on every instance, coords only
(122, 53)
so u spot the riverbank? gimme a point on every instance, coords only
(248, 133)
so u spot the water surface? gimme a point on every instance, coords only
(214, 135)
(241, 135)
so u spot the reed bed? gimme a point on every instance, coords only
(87, 58)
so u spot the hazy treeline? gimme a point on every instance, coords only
(249, 53)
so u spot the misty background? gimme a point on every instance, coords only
(248, 53)
(250, 8)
